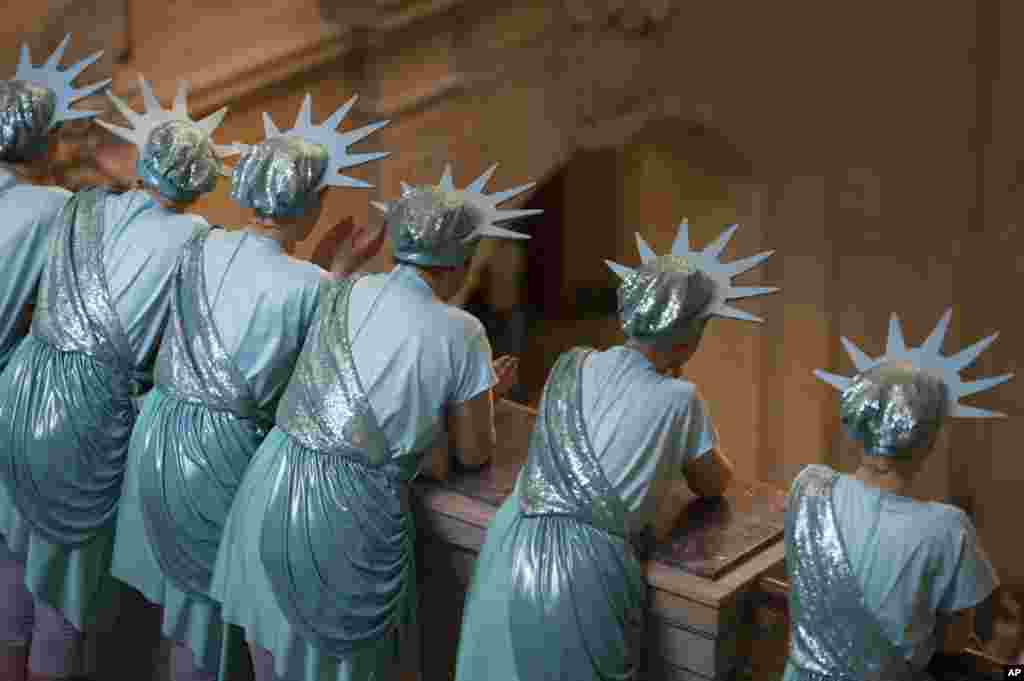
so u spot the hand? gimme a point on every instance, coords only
(327, 250)
(507, 369)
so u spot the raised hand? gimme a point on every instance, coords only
(332, 242)
(507, 369)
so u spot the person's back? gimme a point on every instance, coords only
(67, 395)
(29, 214)
(262, 300)
(415, 356)
(241, 310)
(142, 242)
(328, 591)
(915, 561)
(615, 443)
(879, 581)
(645, 428)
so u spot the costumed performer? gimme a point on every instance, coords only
(240, 309)
(557, 591)
(66, 407)
(876, 576)
(33, 107)
(317, 562)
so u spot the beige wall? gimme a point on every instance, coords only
(875, 148)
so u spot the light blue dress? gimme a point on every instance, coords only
(316, 564)
(555, 593)
(909, 561)
(66, 408)
(240, 311)
(29, 213)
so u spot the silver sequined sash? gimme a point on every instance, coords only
(193, 364)
(575, 577)
(181, 481)
(337, 536)
(74, 311)
(562, 475)
(833, 634)
(69, 412)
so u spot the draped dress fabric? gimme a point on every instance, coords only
(568, 590)
(29, 212)
(577, 594)
(222, 365)
(869, 573)
(66, 408)
(317, 561)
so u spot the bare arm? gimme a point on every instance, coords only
(958, 631)
(472, 435)
(709, 475)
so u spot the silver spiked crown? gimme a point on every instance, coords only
(440, 225)
(50, 76)
(666, 294)
(928, 358)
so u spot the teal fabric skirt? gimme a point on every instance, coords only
(197, 438)
(241, 585)
(551, 598)
(54, 401)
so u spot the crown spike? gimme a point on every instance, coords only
(122, 107)
(270, 128)
(927, 357)
(79, 114)
(964, 411)
(338, 116)
(359, 159)
(840, 383)
(715, 248)
(621, 271)
(50, 76)
(722, 310)
(344, 181)
(981, 385)
(737, 267)
(737, 292)
(446, 183)
(213, 121)
(894, 344)
(503, 196)
(485, 204)
(860, 360)
(681, 244)
(54, 61)
(75, 70)
(933, 344)
(480, 183)
(181, 98)
(500, 232)
(362, 133)
(966, 357)
(646, 252)
(143, 124)
(305, 117)
(25, 59)
(336, 144)
(89, 90)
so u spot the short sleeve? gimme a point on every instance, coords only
(966, 577)
(475, 371)
(699, 435)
